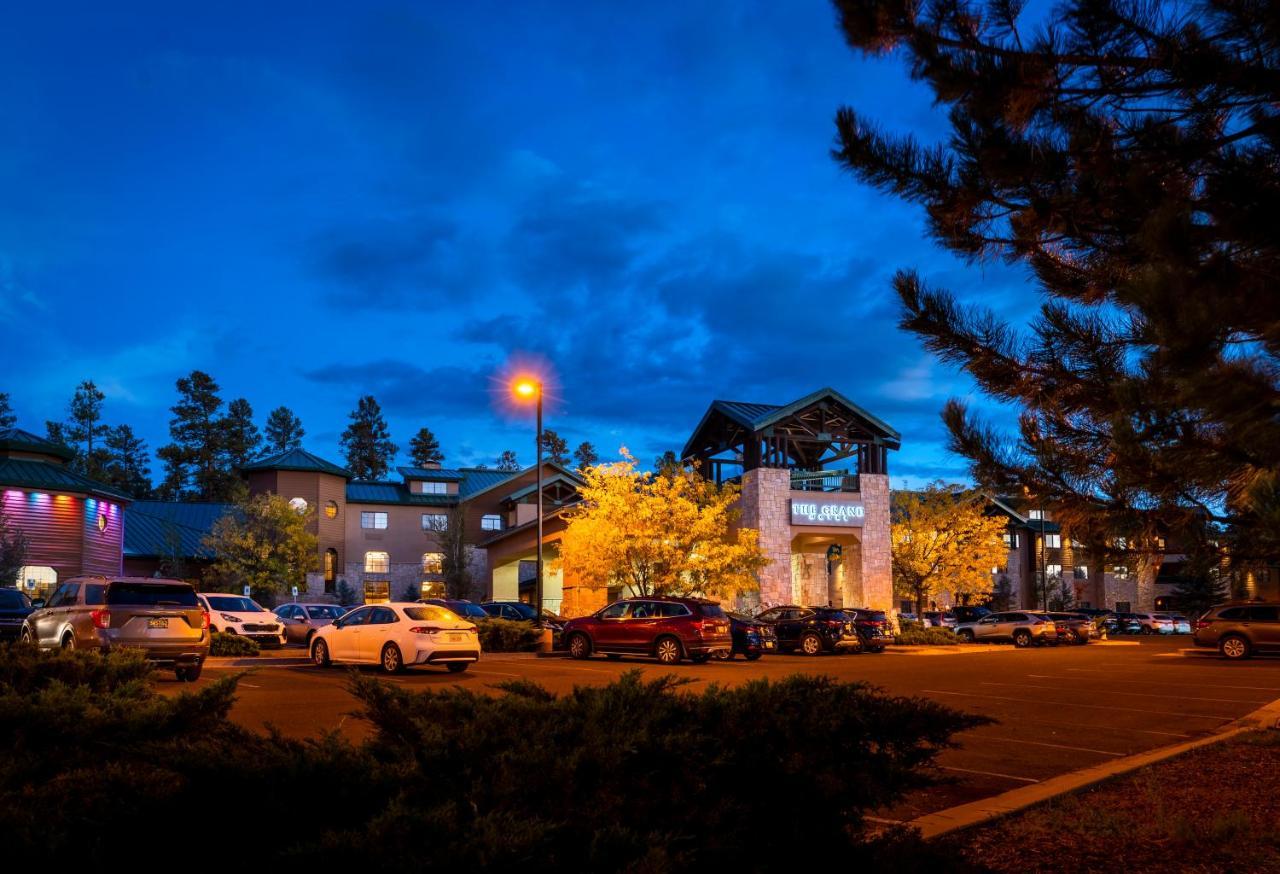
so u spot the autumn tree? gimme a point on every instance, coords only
(424, 448)
(941, 540)
(7, 417)
(13, 551)
(585, 455)
(367, 441)
(659, 535)
(507, 461)
(554, 447)
(283, 431)
(263, 543)
(1127, 156)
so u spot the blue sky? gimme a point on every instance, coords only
(316, 201)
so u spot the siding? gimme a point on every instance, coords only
(62, 531)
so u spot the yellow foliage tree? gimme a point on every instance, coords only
(670, 533)
(943, 541)
(262, 542)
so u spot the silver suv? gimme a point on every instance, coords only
(1022, 627)
(1239, 630)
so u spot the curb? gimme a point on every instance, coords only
(980, 812)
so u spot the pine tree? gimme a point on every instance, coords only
(667, 464)
(56, 432)
(195, 462)
(1126, 154)
(554, 447)
(7, 417)
(425, 448)
(85, 428)
(507, 461)
(367, 441)
(127, 467)
(284, 430)
(585, 455)
(240, 438)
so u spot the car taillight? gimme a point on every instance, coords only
(205, 621)
(102, 618)
(1202, 623)
(425, 629)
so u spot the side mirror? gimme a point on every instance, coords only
(37, 604)
(337, 623)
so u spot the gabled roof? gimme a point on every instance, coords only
(297, 459)
(758, 417)
(533, 487)
(560, 469)
(431, 474)
(152, 529)
(18, 440)
(25, 473)
(480, 479)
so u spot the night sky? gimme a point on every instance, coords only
(326, 200)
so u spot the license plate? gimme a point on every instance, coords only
(160, 622)
(768, 644)
(454, 638)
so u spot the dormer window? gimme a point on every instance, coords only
(433, 488)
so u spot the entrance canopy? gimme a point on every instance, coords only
(811, 433)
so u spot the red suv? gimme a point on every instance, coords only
(668, 629)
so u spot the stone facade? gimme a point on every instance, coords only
(877, 563)
(764, 507)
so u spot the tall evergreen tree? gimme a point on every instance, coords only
(585, 455)
(196, 460)
(367, 441)
(554, 447)
(241, 440)
(7, 417)
(56, 432)
(507, 461)
(85, 428)
(284, 430)
(127, 466)
(1128, 155)
(425, 448)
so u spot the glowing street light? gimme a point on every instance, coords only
(527, 388)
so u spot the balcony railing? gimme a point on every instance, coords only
(824, 481)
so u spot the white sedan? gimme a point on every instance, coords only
(398, 635)
(236, 614)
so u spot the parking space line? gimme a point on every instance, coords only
(492, 673)
(1041, 743)
(1073, 704)
(1156, 683)
(1139, 694)
(989, 774)
(1103, 728)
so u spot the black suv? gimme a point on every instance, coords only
(872, 626)
(813, 630)
(751, 637)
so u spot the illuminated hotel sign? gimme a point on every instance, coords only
(845, 513)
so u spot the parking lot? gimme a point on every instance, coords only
(1057, 708)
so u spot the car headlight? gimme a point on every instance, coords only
(227, 617)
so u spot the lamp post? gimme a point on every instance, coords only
(531, 388)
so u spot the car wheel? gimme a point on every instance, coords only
(213, 629)
(392, 661)
(1234, 647)
(68, 641)
(751, 656)
(579, 646)
(27, 637)
(320, 654)
(811, 644)
(456, 667)
(858, 648)
(725, 655)
(667, 650)
(1022, 638)
(700, 658)
(966, 635)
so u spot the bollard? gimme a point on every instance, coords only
(544, 645)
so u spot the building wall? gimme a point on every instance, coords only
(877, 562)
(62, 531)
(764, 507)
(403, 538)
(317, 489)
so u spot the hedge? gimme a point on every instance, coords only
(504, 635)
(224, 644)
(926, 637)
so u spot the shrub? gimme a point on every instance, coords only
(503, 635)
(232, 645)
(926, 637)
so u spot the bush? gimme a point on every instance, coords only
(639, 775)
(232, 645)
(926, 637)
(504, 635)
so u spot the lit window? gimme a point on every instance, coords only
(435, 521)
(994, 570)
(1160, 543)
(433, 562)
(373, 520)
(299, 504)
(1053, 541)
(1053, 571)
(1035, 514)
(434, 488)
(491, 522)
(1082, 572)
(331, 510)
(377, 562)
(1010, 539)
(1120, 572)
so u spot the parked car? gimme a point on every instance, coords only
(518, 611)
(461, 607)
(937, 619)
(1073, 627)
(873, 626)
(813, 630)
(163, 618)
(1181, 624)
(1239, 631)
(751, 637)
(236, 614)
(968, 612)
(302, 620)
(1122, 623)
(668, 629)
(1022, 627)
(396, 636)
(15, 607)
(1154, 623)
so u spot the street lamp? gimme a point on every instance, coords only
(526, 388)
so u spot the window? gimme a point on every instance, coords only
(614, 611)
(1053, 571)
(1122, 543)
(299, 505)
(382, 616)
(1262, 614)
(491, 522)
(330, 570)
(1035, 514)
(1053, 541)
(377, 562)
(331, 510)
(377, 591)
(434, 488)
(432, 589)
(1161, 543)
(357, 617)
(435, 521)
(671, 609)
(1010, 539)
(1081, 572)
(38, 578)
(373, 520)
(1120, 572)
(433, 562)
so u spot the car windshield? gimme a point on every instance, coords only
(12, 599)
(878, 615)
(465, 609)
(152, 595)
(233, 603)
(324, 612)
(428, 613)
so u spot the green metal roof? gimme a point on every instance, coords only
(431, 474)
(481, 479)
(298, 459)
(153, 528)
(34, 475)
(394, 493)
(17, 440)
